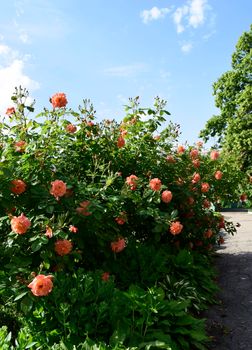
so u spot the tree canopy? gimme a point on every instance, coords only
(233, 96)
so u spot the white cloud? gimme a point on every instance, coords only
(127, 70)
(190, 15)
(186, 48)
(24, 37)
(197, 16)
(12, 75)
(4, 49)
(154, 14)
(178, 17)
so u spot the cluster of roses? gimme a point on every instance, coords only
(42, 285)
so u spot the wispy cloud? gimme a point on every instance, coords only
(127, 70)
(197, 13)
(154, 14)
(191, 14)
(12, 74)
(178, 17)
(187, 47)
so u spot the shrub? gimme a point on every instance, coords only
(93, 217)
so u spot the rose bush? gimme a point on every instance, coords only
(93, 218)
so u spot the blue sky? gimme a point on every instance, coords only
(111, 50)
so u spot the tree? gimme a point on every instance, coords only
(233, 96)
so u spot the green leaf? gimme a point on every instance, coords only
(155, 344)
(21, 295)
(36, 245)
(26, 305)
(31, 345)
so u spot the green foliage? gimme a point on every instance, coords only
(232, 93)
(91, 259)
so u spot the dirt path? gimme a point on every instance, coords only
(230, 323)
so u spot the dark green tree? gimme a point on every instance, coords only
(233, 96)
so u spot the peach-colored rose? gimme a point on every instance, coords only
(63, 247)
(83, 209)
(18, 186)
(10, 111)
(214, 155)
(196, 178)
(71, 128)
(73, 229)
(49, 232)
(194, 153)
(166, 196)
(176, 227)
(58, 188)
(105, 276)
(218, 175)
(196, 163)
(155, 184)
(20, 146)
(120, 142)
(170, 159)
(208, 233)
(206, 203)
(58, 100)
(199, 144)
(123, 132)
(132, 181)
(119, 245)
(205, 187)
(41, 285)
(181, 149)
(20, 224)
(122, 218)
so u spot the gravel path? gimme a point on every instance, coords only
(230, 323)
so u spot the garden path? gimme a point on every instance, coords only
(230, 323)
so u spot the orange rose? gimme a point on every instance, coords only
(166, 196)
(218, 175)
(155, 184)
(205, 187)
(105, 276)
(41, 285)
(214, 155)
(196, 178)
(10, 111)
(120, 142)
(118, 245)
(196, 163)
(20, 224)
(181, 149)
(194, 153)
(18, 186)
(71, 128)
(58, 100)
(170, 159)
(132, 181)
(63, 247)
(176, 227)
(58, 188)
